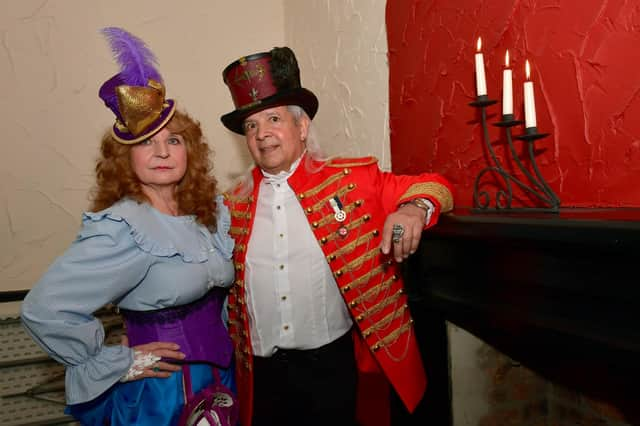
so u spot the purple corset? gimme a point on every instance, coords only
(197, 327)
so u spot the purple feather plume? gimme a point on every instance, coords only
(137, 62)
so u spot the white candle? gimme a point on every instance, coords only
(529, 101)
(507, 88)
(481, 82)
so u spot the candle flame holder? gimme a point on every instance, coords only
(538, 189)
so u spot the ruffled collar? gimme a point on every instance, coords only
(283, 175)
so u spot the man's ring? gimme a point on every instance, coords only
(397, 232)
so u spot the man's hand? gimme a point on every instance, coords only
(412, 220)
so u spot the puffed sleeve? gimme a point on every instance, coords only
(100, 267)
(221, 239)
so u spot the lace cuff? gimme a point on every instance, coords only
(141, 360)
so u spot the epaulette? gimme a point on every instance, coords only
(351, 162)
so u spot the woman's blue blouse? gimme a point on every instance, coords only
(136, 257)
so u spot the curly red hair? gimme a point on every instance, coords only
(196, 191)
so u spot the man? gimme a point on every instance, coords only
(318, 310)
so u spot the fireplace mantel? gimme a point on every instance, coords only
(557, 292)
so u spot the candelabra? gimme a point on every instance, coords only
(538, 189)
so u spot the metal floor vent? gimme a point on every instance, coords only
(31, 383)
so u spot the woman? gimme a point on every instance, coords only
(152, 245)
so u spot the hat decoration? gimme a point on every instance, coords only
(265, 80)
(136, 95)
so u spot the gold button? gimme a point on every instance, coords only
(315, 224)
(375, 233)
(351, 186)
(323, 240)
(309, 210)
(332, 257)
(301, 196)
(358, 203)
(338, 273)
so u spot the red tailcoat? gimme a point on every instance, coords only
(369, 281)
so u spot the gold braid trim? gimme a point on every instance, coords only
(365, 278)
(434, 189)
(374, 291)
(240, 247)
(348, 248)
(329, 218)
(237, 199)
(234, 323)
(385, 321)
(357, 263)
(237, 230)
(392, 337)
(380, 306)
(340, 192)
(330, 180)
(357, 162)
(240, 215)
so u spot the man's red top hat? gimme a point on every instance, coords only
(265, 80)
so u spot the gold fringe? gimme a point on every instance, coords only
(393, 336)
(366, 277)
(374, 290)
(435, 189)
(357, 263)
(384, 321)
(380, 306)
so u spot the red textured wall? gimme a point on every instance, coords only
(585, 56)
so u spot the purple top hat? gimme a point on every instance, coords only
(265, 80)
(136, 95)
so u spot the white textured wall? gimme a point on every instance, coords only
(341, 46)
(52, 62)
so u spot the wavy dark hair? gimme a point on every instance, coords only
(196, 191)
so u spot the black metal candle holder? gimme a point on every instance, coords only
(538, 188)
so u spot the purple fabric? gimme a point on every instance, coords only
(108, 94)
(197, 327)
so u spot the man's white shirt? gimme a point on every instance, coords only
(293, 300)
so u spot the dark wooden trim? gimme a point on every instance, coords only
(556, 292)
